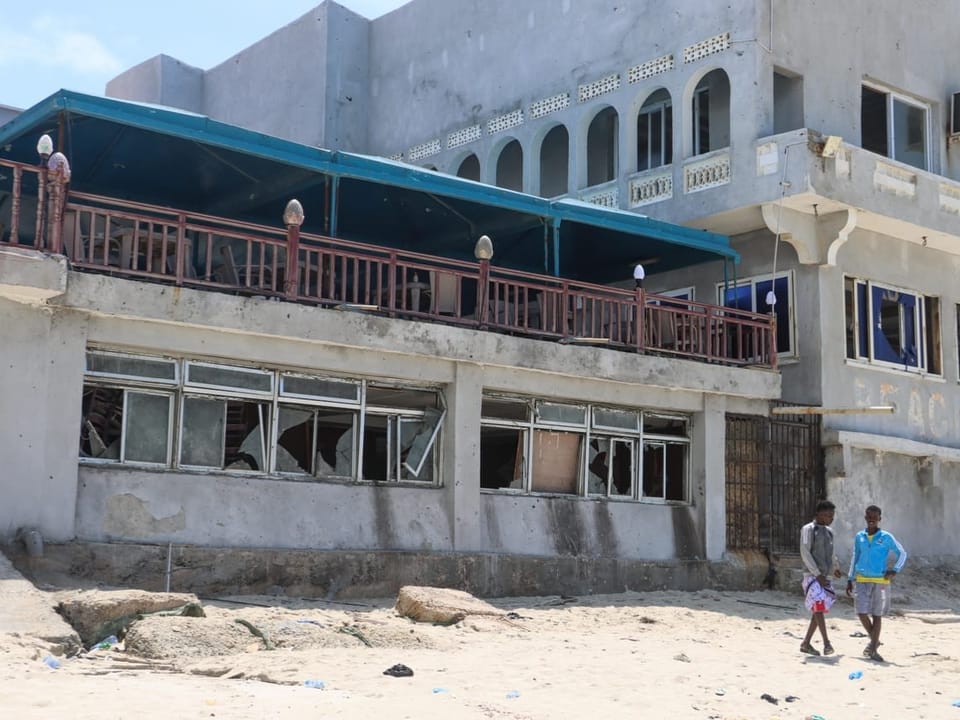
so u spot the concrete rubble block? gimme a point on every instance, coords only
(440, 605)
(96, 614)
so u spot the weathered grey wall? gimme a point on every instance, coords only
(162, 80)
(212, 509)
(41, 354)
(919, 496)
(306, 82)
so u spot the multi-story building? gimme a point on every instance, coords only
(819, 139)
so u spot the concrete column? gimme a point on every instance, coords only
(461, 457)
(708, 465)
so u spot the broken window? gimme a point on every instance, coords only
(127, 424)
(400, 429)
(655, 132)
(888, 325)
(753, 294)
(246, 419)
(570, 449)
(894, 126)
(666, 449)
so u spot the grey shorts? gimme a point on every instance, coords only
(872, 598)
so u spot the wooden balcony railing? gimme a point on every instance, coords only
(128, 239)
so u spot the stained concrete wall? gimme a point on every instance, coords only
(100, 503)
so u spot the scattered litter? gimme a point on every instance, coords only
(311, 622)
(516, 616)
(51, 662)
(956, 703)
(316, 684)
(438, 690)
(770, 699)
(814, 717)
(513, 695)
(346, 629)
(720, 691)
(681, 657)
(791, 698)
(856, 675)
(106, 643)
(398, 670)
(858, 633)
(770, 605)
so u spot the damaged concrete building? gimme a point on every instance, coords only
(590, 408)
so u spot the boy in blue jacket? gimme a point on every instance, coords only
(872, 549)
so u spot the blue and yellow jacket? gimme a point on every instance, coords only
(870, 554)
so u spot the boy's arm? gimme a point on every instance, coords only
(900, 553)
(853, 561)
(805, 555)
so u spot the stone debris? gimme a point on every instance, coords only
(442, 606)
(96, 614)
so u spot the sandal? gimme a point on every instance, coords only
(875, 656)
(828, 649)
(809, 649)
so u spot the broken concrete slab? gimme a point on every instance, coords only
(29, 612)
(96, 614)
(440, 605)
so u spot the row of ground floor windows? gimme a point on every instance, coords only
(184, 414)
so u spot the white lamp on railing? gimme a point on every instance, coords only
(771, 299)
(45, 147)
(638, 275)
(293, 219)
(293, 213)
(483, 250)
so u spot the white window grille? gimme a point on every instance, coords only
(650, 69)
(543, 107)
(604, 85)
(505, 122)
(705, 48)
(424, 150)
(463, 136)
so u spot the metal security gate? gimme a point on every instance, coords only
(775, 477)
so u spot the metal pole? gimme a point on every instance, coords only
(806, 410)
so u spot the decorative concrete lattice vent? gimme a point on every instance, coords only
(548, 105)
(710, 46)
(397, 158)
(424, 150)
(651, 188)
(463, 136)
(950, 198)
(649, 69)
(604, 85)
(505, 122)
(608, 198)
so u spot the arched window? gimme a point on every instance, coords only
(510, 167)
(554, 162)
(655, 131)
(469, 168)
(602, 147)
(711, 113)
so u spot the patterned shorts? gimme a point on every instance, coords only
(816, 598)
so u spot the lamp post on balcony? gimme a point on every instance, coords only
(638, 275)
(58, 174)
(293, 219)
(44, 150)
(483, 252)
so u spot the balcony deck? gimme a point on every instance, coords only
(143, 242)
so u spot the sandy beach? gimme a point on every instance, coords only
(705, 655)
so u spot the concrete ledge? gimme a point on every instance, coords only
(31, 277)
(357, 574)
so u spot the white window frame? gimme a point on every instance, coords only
(657, 108)
(790, 299)
(868, 355)
(894, 97)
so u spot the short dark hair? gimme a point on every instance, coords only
(825, 505)
(874, 508)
